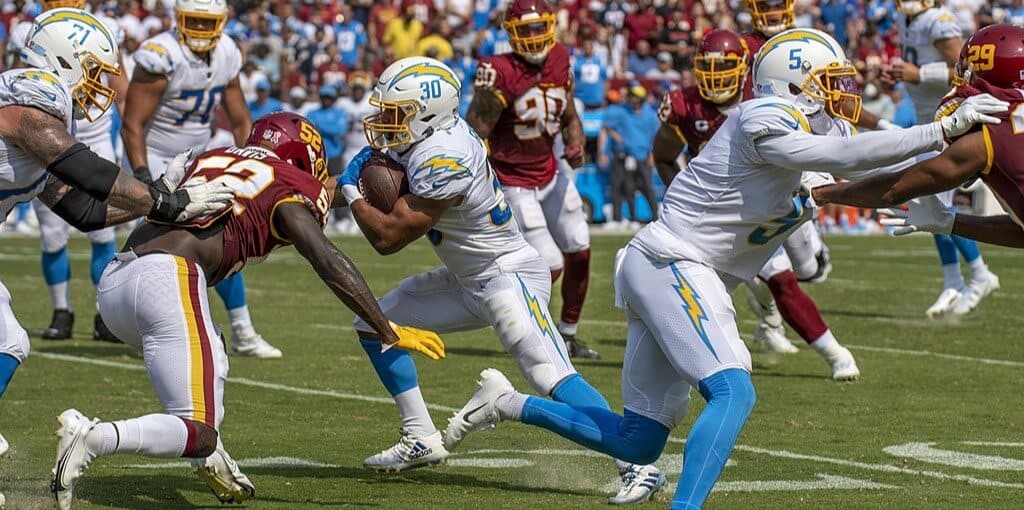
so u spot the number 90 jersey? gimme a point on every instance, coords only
(534, 97)
(194, 88)
(261, 182)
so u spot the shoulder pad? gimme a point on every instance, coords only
(36, 88)
(439, 174)
(771, 116)
(154, 58)
(944, 26)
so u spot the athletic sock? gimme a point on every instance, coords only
(153, 435)
(631, 437)
(951, 277)
(978, 269)
(102, 254)
(797, 307)
(826, 345)
(57, 273)
(397, 372)
(415, 416)
(510, 406)
(949, 257)
(8, 365)
(240, 319)
(574, 285)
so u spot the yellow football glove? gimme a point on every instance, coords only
(422, 341)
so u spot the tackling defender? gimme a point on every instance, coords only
(723, 219)
(521, 101)
(491, 275)
(153, 296)
(180, 76)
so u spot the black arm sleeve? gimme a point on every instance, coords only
(85, 170)
(81, 210)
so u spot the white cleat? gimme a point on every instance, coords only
(480, 412)
(947, 300)
(639, 484)
(773, 339)
(409, 453)
(248, 342)
(73, 456)
(844, 367)
(4, 445)
(975, 292)
(221, 474)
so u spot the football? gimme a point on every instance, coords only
(382, 181)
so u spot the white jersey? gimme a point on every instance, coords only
(21, 175)
(470, 237)
(18, 37)
(356, 137)
(182, 119)
(99, 130)
(918, 38)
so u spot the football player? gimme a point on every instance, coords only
(521, 101)
(153, 296)
(67, 53)
(723, 219)
(992, 60)
(180, 76)
(689, 118)
(53, 230)
(931, 44)
(491, 275)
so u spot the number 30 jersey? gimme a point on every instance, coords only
(194, 88)
(534, 97)
(261, 181)
(472, 236)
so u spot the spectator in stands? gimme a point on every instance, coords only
(641, 61)
(298, 102)
(664, 70)
(332, 122)
(905, 115)
(436, 45)
(631, 128)
(403, 33)
(482, 12)
(880, 15)
(877, 102)
(591, 74)
(350, 37)
(641, 24)
(248, 78)
(332, 71)
(464, 66)
(263, 104)
(266, 62)
(838, 17)
(494, 40)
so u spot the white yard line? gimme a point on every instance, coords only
(954, 357)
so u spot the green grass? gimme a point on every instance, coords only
(875, 299)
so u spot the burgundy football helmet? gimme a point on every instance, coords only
(531, 29)
(720, 66)
(994, 54)
(293, 139)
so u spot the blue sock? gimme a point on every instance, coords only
(232, 291)
(8, 364)
(968, 248)
(56, 267)
(947, 249)
(394, 367)
(631, 437)
(577, 392)
(102, 254)
(730, 396)
(23, 209)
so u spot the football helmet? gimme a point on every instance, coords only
(57, 4)
(910, 8)
(772, 16)
(293, 139)
(811, 69)
(78, 48)
(200, 23)
(531, 29)
(994, 54)
(720, 66)
(415, 96)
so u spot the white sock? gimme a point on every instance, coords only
(415, 417)
(826, 345)
(622, 466)
(510, 405)
(153, 435)
(978, 269)
(951, 277)
(568, 329)
(59, 296)
(240, 318)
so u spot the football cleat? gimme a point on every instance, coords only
(60, 326)
(844, 367)
(975, 292)
(579, 349)
(944, 304)
(4, 445)
(101, 332)
(247, 342)
(480, 412)
(639, 484)
(773, 339)
(221, 474)
(409, 453)
(824, 267)
(73, 455)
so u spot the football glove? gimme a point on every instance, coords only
(175, 169)
(973, 110)
(418, 340)
(349, 180)
(923, 214)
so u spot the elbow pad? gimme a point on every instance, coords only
(81, 210)
(85, 170)
(936, 73)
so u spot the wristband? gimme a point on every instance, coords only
(351, 193)
(936, 73)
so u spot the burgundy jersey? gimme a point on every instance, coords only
(535, 98)
(261, 182)
(694, 119)
(754, 42)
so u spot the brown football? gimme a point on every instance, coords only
(382, 181)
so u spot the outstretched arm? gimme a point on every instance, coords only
(1000, 230)
(411, 218)
(79, 209)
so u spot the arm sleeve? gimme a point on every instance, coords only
(81, 210)
(84, 169)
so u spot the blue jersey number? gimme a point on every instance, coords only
(501, 214)
(910, 54)
(203, 103)
(431, 89)
(800, 212)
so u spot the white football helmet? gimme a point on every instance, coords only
(810, 68)
(911, 8)
(415, 96)
(78, 48)
(200, 23)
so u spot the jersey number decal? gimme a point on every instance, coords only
(910, 54)
(203, 103)
(431, 89)
(501, 214)
(983, 56)
(247, 177)
(800, 212)
(79, 33)
(539, 111)
(794, 58)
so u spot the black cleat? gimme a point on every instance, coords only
(101, 332)
(579, 349)
(60, 326)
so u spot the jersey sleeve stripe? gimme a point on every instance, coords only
(679, 132)
(501, 97)
(273, 229)
(990, 153)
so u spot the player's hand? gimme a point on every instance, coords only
(175, 169)
(902, 71)
(186, 203)
(924, 214)
(573, 154)
(422, 341)
(349, 180)
(971, 111)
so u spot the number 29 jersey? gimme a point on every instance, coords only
(261, 182)
(194, 88)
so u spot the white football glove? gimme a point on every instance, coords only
(203, 199)
(971, 111)
(924, 214)
(176, 168)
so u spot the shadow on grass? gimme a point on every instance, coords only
(92, 350)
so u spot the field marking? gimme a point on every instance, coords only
(263, 462)
(954, 357)
(496, 463)
(824, 482)
(993, 443)
(926, 452)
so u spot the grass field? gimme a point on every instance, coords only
(937, 420)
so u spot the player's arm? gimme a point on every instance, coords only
(668, 143)
(411, 218)
(962, 160)
(237, 111)
(572, 133)
(79, 209)
(296, 223)
(488, 103)
(1000, 230)
(142, 100)
(119, 82)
